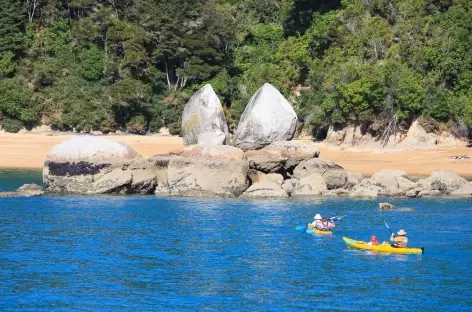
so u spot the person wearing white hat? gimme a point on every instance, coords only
(401, 240)
(315, 223)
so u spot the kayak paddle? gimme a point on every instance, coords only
(337, 218)
(300, 228)
(386, 225)
(310, 231)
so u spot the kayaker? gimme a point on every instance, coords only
(325, 224)
(373, 241)
(316, 223)
(401, 240)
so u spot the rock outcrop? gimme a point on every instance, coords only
(266, 162)
(290, 184)
(267, 118)
(418, 138)
(393, 182)
(208, 171)
(281, 157)
(91, 165)
(26, 190)
(366, 189)
(265, 189)
(161, 164)
(353, 178)
(203, 120)
(334, 175)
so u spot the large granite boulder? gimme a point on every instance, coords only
(268, 118)
(203, 120)
(313, 184)
(334, 175)
(265, 189)
(208, 171)
(91, 165)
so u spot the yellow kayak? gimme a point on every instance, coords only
(382, 248)
(319, 232)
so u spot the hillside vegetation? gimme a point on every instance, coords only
(132, 64)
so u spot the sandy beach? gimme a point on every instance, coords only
(27, 151)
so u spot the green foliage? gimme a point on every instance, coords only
(109, 65)
(91, 63)
(16, 100)
(7, 65)
(137, 125)
(12, 125)
(12, 20)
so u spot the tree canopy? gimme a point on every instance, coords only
(131, 65)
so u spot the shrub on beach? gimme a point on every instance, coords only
(12, 125)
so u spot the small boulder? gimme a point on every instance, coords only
(313, 184)
(267, 118)
(30, 190)
(386, 207)
(265, 189)
(203, 119)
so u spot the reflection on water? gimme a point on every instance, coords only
(143, 253)
(10, 180)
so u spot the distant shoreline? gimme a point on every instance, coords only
(28, 150)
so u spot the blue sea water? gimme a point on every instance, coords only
(111, 253)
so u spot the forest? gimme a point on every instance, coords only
(131, 65)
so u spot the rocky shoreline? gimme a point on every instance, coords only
(280, 170)
(262, 161)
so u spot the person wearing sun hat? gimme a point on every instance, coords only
(317, 221)
(401, 240)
